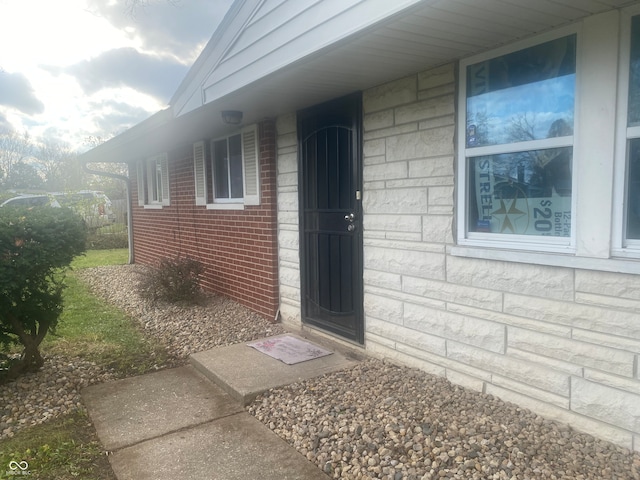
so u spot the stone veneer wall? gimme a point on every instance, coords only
(563, 342)
(288, 234)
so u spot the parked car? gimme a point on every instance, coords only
(32, 201)
(93, 206)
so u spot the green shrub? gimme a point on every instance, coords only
(172, 280)
(36, 245)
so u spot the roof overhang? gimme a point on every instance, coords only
(161, 132)
(431, 33)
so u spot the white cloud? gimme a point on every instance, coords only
(177, 28)
(16, 91)
(150, 74)
(76, 68)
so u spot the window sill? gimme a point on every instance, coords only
(225, 206)
(153, 206)
(616, 265)
(626, 254)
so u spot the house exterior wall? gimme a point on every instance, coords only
(237, 247)
(562, 342)
(288, 233)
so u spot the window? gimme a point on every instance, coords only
(227, 169)
(632, 187)
(626, 222)
(517, 157)
(548, 167)
(153, 181)
(229, 177)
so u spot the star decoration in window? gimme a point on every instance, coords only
(508, 215)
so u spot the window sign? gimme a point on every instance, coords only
(524, 96)
(523, 193)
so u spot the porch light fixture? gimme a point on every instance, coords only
(232, 117)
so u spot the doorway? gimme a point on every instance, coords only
(330, 165)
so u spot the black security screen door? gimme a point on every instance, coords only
(331, 230)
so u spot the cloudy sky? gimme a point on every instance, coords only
(71, 69)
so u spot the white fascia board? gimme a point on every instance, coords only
(189, 94)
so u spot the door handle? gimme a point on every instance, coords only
(350, 217)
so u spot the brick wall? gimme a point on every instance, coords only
(237, 247)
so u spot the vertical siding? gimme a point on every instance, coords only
(237, 247)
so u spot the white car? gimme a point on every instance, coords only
(32, 201)
(93, 206)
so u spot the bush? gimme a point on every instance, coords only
(36, 244)
(172, 280)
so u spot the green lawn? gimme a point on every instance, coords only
(63, 449)
(96, 331)
(89, 328)
(97, 258)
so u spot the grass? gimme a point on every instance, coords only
(91, 329)
(113, 228)
(98, 258)
(63, 449)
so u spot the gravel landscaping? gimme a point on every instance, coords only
(55, 389)
(183, 329)
(375, 420)
(379, 420)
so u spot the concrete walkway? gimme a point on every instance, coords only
(176, 424)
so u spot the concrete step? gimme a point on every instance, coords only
(175, 424)
(244, 373)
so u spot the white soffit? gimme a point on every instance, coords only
(420, 36)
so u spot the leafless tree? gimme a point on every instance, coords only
(15, 148)
(56, 163)
(521, 128)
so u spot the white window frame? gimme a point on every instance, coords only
(204, 172)
(510, 241)
(621, 246)
(596, 216)
(153, 181)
